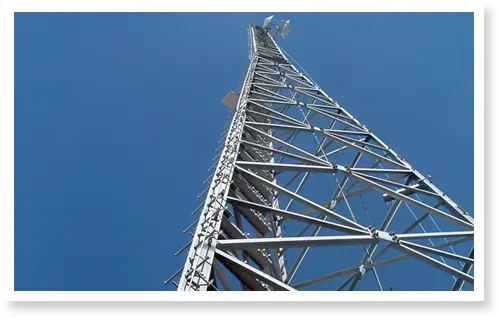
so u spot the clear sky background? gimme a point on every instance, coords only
(117, 117)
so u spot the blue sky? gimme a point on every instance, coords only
(117, 116)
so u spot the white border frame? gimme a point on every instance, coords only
(7, 140)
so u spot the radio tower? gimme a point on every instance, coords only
(303, 196)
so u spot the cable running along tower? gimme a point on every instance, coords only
(303, 196)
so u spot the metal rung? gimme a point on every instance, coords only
(174, 274)
(218, 148)
(213, 166)
(190, 226)
(204, 191)
(183, 248)
(209, 177)
(217, 156)
(197, 209)
(226, 127)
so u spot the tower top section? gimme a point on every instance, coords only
(281, 28)
(256, 33)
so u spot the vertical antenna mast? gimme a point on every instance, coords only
(297, 175)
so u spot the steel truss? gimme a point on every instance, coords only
(297, 172)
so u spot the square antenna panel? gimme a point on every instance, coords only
(230, 99)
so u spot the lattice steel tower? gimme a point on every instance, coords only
(303, 196)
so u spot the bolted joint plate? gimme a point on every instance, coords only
(362, 270)
(382, 235)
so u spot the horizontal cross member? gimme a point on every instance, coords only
(286, 242)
